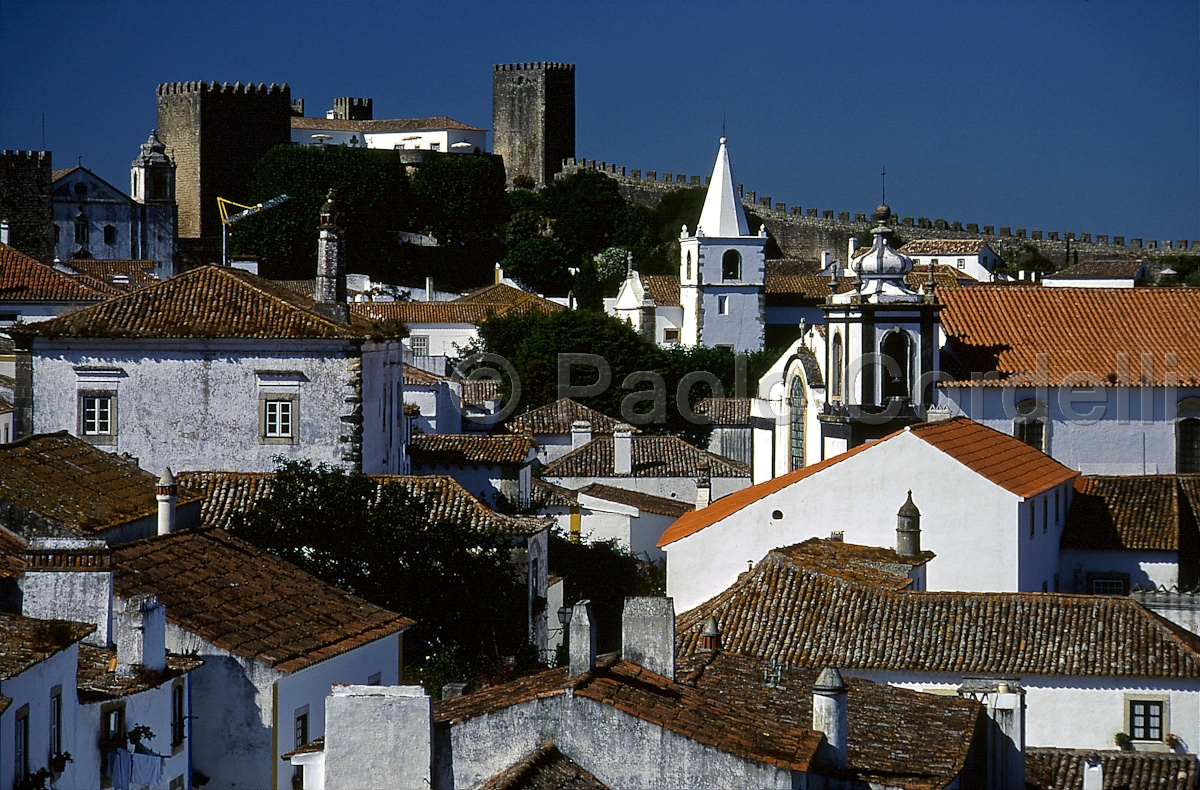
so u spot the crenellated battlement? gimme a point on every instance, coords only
(201, 87)
(831, 221)
(31, 156)
(539, 66)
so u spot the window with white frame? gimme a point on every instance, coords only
(277, 418)
(1030, 424)
(279, 406)
(420, 345)
(98, 416)
(21, 744)
(56, 721)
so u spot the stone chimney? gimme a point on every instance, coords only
(167, 494)
(582, 648)
(1093, 773)
(70, 579)
(648, 634)
(375, 736)
(1004, 702)
(710, 637)
(581, 433)
(623, 449)
(140, 626)
(829, 713)
(330, 290)
(908, 529)
(4, 232)
(703, 484)
(648, 319)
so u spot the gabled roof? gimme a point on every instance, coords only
(428, 312)
(208, 302)
(546, 494)
(1002, 459)
(505, 294)
(418, 377)
(653, 456)
(383, 125)
(139, 272)
(780, 281)
(1149, 512)
(75, 486)
(26, 641)
(644, 502)
(872, 565)
(545, 768)
(557, 417)
(785, 610)
(248, 601)
(1099, 270)
(722, 214)
(943, 247)
(25, 279)
(1086, 336)
(1062, 769)
(726, 411)
(663, 288)
(469, 448)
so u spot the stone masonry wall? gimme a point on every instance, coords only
(805, 231)
(25, 180)
(533, 118)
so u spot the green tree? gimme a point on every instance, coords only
(540, 263)
(377, 541)
(585, 207)
(461, 199)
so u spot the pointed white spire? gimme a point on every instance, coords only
(722, 215)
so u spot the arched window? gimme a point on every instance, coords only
(731, 265)
(896, 347)
(110, 234)
(835, 367)
(689, 266)
(1187, 437)
(1030, 423)
(796, 403)
(81, 228)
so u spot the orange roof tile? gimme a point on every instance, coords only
(943, 247)
(383, 125)
(1099, 270)
(663, 288)
(25, 279)
(469, 448)
(1155, 512)
(557, 417)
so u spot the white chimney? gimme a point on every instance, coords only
(829, 713)
(4, 232)
(167, 494)
(851, 248)
(582, 647)
(70, 579)
(703, 484)
(428, 289)
(140, 627)
(1093, 773)
(623, 449)
(581, 433)
(826, 259)
(648, 634)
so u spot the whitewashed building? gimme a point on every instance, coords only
(560, 427)
(1099, 274)
(493, 468)
(440, 134)
(972, 258)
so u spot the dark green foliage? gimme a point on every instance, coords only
(1187, 269)
(461, 199)
(604, 573)
(540, 263)
(370, 187)
(585, 207)
(1026, 256)
(381, 544)
(589, 290)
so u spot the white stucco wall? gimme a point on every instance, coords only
(383, 439)
(151, 708)
(444, 339)
(681, 488)
(32, 687)
(1145, 568)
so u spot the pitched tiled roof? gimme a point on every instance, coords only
(382, 125)
(1098, 270)
(505, 294)
(1153, 512)
(247, 601)
(226, 494)
(1062, 769)
(97, 683)
(25, 279)
(1086, 336)
(663, 288)
(557, 418)
(870, 565)
(653, 456)
(546, 494)
(1000, 458)
(208, 302)
(6, 406)
(475, 392)
(816, 286)
(25, 641)
(417, 377)
(784, 610)
(726, 411)
(76, 486)
(545, 768)
(644, 502)
(428, 312)
(469, 448)
(12, 555)
(139, 272)
(944, 247)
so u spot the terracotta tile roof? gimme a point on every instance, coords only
(6, 406)
(469, 448)
(1000, 458)
(243, 599)
(943, 247)
(417, 377)
(783, 610)
(312, 747)
(75, 486)
(1062, 769)
(556, 418)
(1152, 512)
(428, 312)
(874, 566)
(648, 503)
(139, 272)
(25, 279)
(225, 494)
(545, 768)
(25, 641)
(1098, 335)
(546, 494)
(382, 125)
(12, 555)
(816, 286)
(476, 392)
(303, 287)
(791, 267)
(96, 683)
(1099, 270)
(676, 707)
(726, 411)
(663, 288)
(505, 294)
(653, 456)
(208, 302)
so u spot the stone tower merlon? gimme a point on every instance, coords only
(533, 118)
(217, 133)
(347, 108)
(25, 181)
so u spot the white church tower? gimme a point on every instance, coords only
(721, 270)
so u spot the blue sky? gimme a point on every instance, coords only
(1076, 116)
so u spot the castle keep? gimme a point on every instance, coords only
(25, 178)
(533, 118)
(216, 134)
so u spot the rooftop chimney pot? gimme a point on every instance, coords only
(623, 449)
(582, 639)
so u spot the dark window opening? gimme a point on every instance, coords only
(796, 405)
(731, 265)
(896, 350)
(110, 234)
(1146, 720)
(1189, 445)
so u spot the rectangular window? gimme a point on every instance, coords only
(98, 417)
(435, 146)
(56, 721)
(21, 745)
(1045, 514)
(962, 263)
(1108, 587)
(177, 715)
(301, 738)
(933, 262)
(670, 335)
(110, 234)
(1146, 720)
(723, 305)
(279, 419)
(1032, 519)
(420, 345)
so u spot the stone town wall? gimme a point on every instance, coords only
(25, 180)
(805, 231)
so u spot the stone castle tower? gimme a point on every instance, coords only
(216, 134)
(25, 178)
(533, 118)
